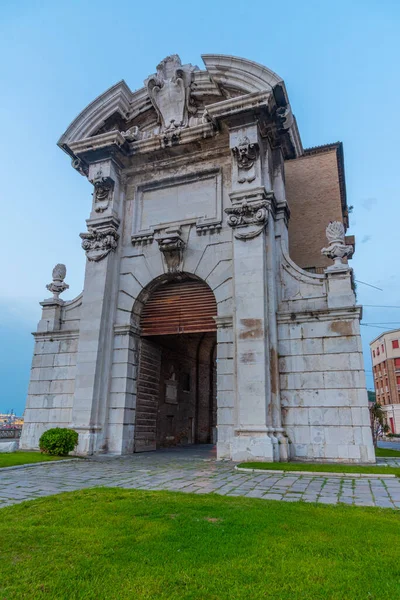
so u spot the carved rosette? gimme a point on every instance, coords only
(170, 93)
(246, 154)
(337, 249)
(58, 285)
(172, 245)
(103, 191)
(248, 218)
(100, 239)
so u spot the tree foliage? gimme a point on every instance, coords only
(378, 422)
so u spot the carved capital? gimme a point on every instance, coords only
(172, 245)
(248, 218)
(100, 239)
(103, 191)
(337, 249)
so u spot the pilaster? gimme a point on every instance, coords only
(94, 359)
(248, 216)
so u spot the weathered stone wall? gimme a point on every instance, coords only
(322, 380)
(52, 381)
(324, 402)
(51, 387)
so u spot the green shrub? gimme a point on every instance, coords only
(58, 441)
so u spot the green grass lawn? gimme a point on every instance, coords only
(387, 452)
(114, 544)
(23, 458)
(321, 467)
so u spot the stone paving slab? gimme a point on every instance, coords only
(192, 470)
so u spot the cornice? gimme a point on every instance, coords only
(312, 316)
(55, 336)
(226, 77)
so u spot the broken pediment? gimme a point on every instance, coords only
(181, 97)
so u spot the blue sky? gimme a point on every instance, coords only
(339, 60)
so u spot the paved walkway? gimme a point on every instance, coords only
(192, 470)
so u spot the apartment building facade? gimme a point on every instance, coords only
(385, 354)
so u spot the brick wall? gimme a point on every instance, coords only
(313, 194)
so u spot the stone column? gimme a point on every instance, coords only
(93, 371)
(248, 216)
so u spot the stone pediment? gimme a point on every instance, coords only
(180, 102)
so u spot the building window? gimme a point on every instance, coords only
(373, 353)
(395, 344)
(397, 363)
(383, 349)
(398, 380)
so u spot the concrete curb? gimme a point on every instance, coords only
(47, 462)
(318, 473)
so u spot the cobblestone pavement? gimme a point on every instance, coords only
(193, 470)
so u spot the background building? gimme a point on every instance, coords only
(385, 354)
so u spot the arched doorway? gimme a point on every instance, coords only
(176, 385)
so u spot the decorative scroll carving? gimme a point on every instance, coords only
(172, 245)
(103, 190)
(337, 249)
(132, 134)
(169, 92)
(80, 166)
(285, 118)
(100, 239)
(58, 286)
(251, 216)
(246, 154)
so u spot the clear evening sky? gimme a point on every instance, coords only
(339, 59)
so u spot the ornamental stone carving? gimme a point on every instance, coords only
(132, 134)
(80, 166)
(100, 239)
(103, 191)
(248, 218)
(172, 245)
(337, 249)
(246, 154)
(58, 285)
(169, 92)
(285, 118)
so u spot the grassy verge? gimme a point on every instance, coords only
(382, 452)
(115, 544)
(20, 457)
(318, 467)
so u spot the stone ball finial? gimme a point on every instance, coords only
(58, 286)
